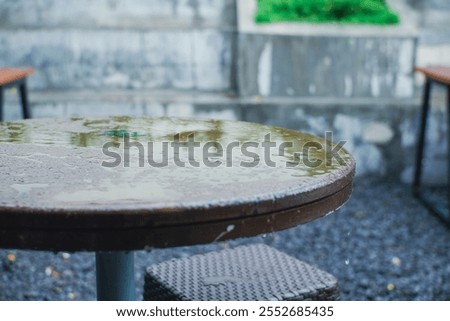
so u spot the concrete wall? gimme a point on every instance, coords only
(182, 44)
(433, 18)
(70, 59)
(135, 14)
(325, 60)
(326, 66)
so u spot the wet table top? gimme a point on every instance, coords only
(126, 183)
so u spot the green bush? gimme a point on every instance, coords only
(344, 11)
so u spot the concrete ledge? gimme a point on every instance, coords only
(200, 97)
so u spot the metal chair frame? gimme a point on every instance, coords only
(21, 84)
(442, 213)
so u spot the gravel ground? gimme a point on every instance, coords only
(382, 245)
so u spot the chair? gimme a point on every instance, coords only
(15, 77)
(253, 272)
(434, 75)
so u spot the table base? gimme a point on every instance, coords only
(115, 276)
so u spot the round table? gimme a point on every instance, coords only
(120, 184)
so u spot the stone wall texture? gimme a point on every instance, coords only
(326, 66)
(182, 44)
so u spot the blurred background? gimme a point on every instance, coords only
(209, 59)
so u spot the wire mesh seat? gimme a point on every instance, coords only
(253, 272)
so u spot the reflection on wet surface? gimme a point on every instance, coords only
(50, 160)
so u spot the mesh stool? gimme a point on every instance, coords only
(15, 77)
(434, 75)
(253, 272)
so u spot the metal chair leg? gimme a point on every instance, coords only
(448, 153)
(23, 97)
(1, 103)
(421, 138)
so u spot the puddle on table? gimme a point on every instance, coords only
(219, 134)
(73, 149)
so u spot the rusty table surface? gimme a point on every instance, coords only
(60, 191)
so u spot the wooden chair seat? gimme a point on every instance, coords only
(11, 75)
(15, 77)
(439, 74)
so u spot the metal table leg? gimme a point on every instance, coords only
(115, 276)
